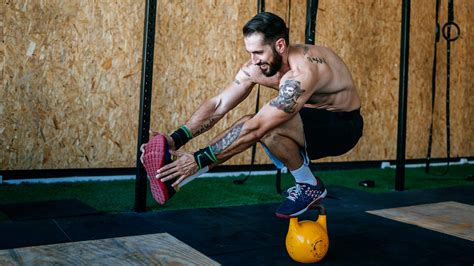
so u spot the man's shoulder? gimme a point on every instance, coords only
(309, 58)
(309, 50)
(307, 46)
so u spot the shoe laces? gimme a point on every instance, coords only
(289, 190)
(294, 192)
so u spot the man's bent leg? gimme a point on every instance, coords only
(286, 143)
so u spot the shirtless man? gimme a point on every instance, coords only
(316, 113)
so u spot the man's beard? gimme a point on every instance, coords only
(275, 66)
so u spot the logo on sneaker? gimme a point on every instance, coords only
(300, 198)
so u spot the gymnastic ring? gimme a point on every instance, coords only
(458, 31)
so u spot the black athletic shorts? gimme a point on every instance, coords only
(330, 133)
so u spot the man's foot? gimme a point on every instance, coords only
(301, 197)
(155, 155)
(287, 192)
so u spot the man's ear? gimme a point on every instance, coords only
(280, 45)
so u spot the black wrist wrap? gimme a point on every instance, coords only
(205, 157)
(181, 137)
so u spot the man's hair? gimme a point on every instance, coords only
(270, 25)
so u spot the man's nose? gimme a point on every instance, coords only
(255, 60)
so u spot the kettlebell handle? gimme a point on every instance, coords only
(321, 209)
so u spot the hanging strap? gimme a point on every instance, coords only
(447, 36)
(433, 89)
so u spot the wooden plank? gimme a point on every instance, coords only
(153, 249)
(453, 218)
(7, 259)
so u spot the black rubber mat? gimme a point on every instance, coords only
(46, 209)
(30, 233)
(252, 235)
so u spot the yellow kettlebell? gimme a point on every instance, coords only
(307, 241)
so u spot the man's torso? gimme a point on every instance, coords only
(334, 88)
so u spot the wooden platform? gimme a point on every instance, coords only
(153, 249)
(449, 217)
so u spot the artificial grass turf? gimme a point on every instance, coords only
(119, 196)
(415, 178)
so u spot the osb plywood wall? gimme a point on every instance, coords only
(71, 75)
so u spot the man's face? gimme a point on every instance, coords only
(263, 55)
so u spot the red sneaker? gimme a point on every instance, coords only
(155, 154)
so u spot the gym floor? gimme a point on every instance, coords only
(252, 235)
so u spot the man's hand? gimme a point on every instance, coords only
(170, 141)
(183, 167)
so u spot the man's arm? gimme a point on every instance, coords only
(294, 92)
(212, 110)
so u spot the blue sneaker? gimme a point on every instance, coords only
(301, 197)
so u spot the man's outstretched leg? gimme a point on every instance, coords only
(285, 145)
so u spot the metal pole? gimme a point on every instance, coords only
(311, 12)
(260, 9)
(403, 96)
(260, 6)
(145, 101)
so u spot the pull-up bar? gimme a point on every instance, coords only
(311, 12)
(145, 101)
(403, 96)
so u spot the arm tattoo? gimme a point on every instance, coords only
(289, 93)
(205, 126)
(227, 140)
(237, 82)
(246, 73)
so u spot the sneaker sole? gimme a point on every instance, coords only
(310, 206)
(154, 157)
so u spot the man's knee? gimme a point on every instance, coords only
(271, 137)
(291, 130)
